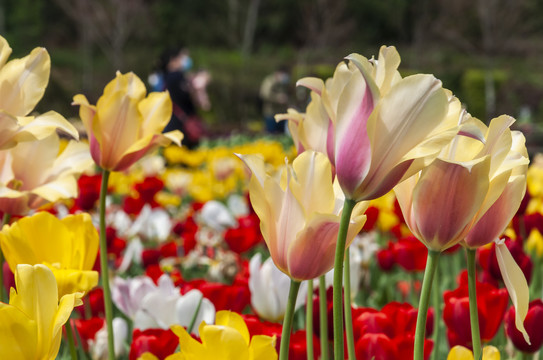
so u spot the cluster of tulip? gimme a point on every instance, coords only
(199, 270)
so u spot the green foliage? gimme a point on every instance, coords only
(474, 92)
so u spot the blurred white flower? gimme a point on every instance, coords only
(269, 288)
(164, 306)
(128, 294)
(217, 216)
(152, 224)
(361, 251)
(98, 347)
(238, 205)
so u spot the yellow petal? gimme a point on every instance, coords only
(262, 348)
(71, 281)
(460, 353)
(127, 83)
(516, 285)
(235, 321)
(23, 82)
(147, 356)
(156, 110)
(19, 334)
(491, 353)
(5, 51)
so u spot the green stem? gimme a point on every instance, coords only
(3, 295)
(287, 321)
(436, 292)
(193, 320)
(431, 265)
(347, 300)
(105, 267)
(323, 318)
(70, 336)
(338, 277)
(309, 320)
(473, 313)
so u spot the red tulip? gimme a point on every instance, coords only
(411, 254)
(491, 304)
(148, 189)
(376, 346)
(245, 236)
(87, 329)
(89, 191)
(159, 342)
(532, 324)
(386, 257)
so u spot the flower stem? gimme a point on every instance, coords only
(104, 266)
(431, 265)
(287, 321)
(473, 313)
(70, 336)
(347, 300)
(436, 292)
(195, 316)
(338, 277)
(309, 320)
(323, 318)
(3, 295)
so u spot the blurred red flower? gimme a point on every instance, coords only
(532, 324)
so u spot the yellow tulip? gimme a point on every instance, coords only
(68, 247)
(125, 125)
(461, 353)
(228, 339)
(35, 173)
(22, 85)
(299, 211)
(31, 325)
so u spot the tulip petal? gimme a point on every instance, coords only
(188, 344)
(516, 285)
(312, 83)
(19, 334)
(313, 176)
(494, 221)
(308, 258)
(24, 81)
(441, 215)
(353, 151)
(460, 353)
(262, 348)
(44, 125)
(156, 110)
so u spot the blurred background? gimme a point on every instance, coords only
(488, 52)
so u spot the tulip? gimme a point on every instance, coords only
(125, 125)
(22, 85)
(165, 306)
(128, 294)
(158, 342)
(268, 287)
(378, 127)
(295, 206)
(69, 251)
(461, 353)
(35, 173)
(31, 325)
(491, 302)
(228, 339)
(98, 345)
(532, 323)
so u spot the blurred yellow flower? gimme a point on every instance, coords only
(534, 243)
(68, 247)
(461, 353)
(31, 325)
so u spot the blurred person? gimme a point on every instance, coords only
(173, 76)
(274, 94)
